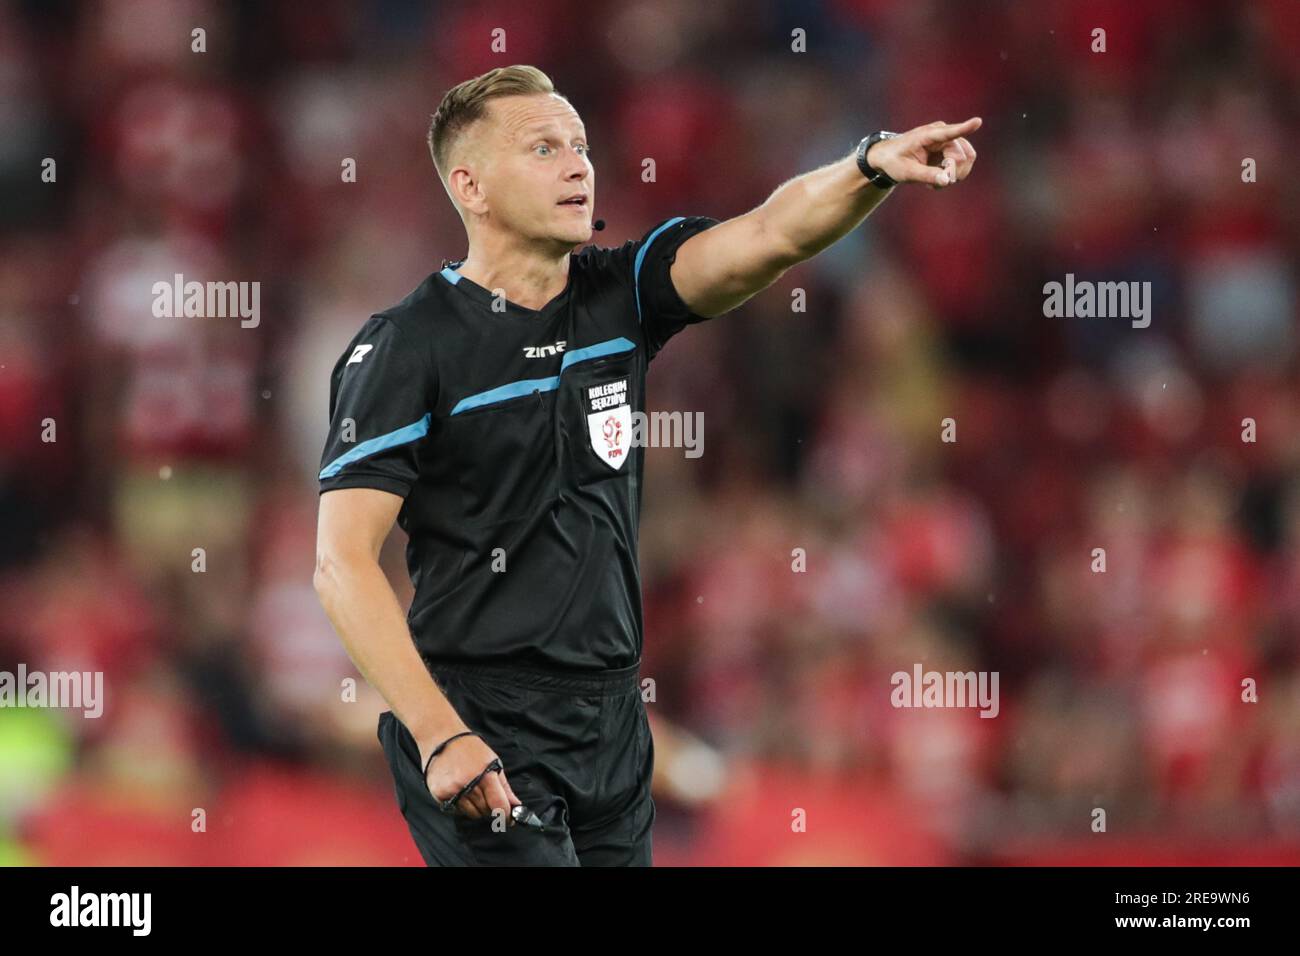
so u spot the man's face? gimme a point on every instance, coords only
(532, 153)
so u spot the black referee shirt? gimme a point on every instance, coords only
(508, 432)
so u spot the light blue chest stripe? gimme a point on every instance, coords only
(503, 392)
(640, 257)
(514, 389)
(407, 433)
(608, 347)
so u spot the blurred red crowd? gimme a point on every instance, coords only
(1120, 689)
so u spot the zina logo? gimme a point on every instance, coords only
(542, 351)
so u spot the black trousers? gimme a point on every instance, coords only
(576, 749)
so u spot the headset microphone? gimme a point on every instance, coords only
(598, 225)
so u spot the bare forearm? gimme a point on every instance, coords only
(718, 269)
(369, 621)
(812, 211)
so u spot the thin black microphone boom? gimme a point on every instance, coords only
(598, 225)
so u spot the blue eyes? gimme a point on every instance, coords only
(585, 150)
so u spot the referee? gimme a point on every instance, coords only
(490, 413)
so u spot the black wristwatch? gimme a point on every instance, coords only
(875, 176)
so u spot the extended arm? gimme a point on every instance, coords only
(719, 268)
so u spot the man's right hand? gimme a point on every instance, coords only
(460, 762)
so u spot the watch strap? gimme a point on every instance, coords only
(875, 176)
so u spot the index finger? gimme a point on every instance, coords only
(933, 135)
(495, 794)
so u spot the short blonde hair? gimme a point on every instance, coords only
(466, 103)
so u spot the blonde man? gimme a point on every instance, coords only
(490, 414)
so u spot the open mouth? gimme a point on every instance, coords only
(574, 201)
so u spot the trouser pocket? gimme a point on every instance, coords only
(404, 765)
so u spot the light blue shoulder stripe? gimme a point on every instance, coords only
(640, 257)
(400, 436)
(450, 274)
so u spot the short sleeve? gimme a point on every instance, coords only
(660, 309)
(381, 393)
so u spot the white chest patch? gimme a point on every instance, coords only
(611, 434)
